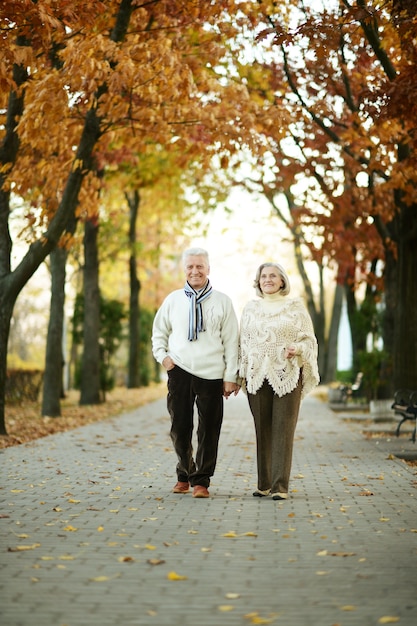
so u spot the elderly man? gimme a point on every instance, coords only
(195, 338)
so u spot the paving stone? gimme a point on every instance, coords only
(90, 531)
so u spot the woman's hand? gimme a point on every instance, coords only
(290, 352)
(230, 388)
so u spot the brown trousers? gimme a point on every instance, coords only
(275, 422)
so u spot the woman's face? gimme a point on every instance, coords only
(270, 280)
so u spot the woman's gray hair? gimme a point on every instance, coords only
(195, 252)
(284, 290)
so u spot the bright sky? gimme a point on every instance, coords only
(239, 242)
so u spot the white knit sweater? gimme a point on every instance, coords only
(214, 354)
(269, 326)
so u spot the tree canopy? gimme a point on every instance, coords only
(321, 95)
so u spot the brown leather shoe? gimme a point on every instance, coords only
(200, 492)
(181, 487)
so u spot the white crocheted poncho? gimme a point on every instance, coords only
(268, 326)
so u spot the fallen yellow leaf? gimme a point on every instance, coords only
(226, 607)
(348, 607)
(250, 534)
(100, 579)
(70, 528)
(100, 529)
(255, 618)
(22, 548)
(155, 561)
(175, 576)
(232, 596)
(231, 533)
(148, 546)
(388, 619)
(384, 519)
(74, 501)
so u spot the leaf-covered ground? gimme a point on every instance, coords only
(24, 423)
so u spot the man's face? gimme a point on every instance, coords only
(196, 271)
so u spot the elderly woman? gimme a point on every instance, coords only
(278, 367)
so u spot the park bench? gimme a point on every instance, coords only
(354, 390)
(405, 405)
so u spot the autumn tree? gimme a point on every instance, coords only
(32, 35)
(80, 81)
(349, 168)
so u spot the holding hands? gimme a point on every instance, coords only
(230, 388)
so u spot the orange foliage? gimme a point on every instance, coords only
(159, 85)
(327, 69)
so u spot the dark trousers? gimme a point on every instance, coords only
(185, 391)
(275, 421)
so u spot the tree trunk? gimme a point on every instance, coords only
(11, 283)
(6, 310)
(133, 380)
(405, 327)
(332, 344)
(54, 359)
(360, 321)
(90, 368)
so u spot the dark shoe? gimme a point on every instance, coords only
(279, 496)
(200, 492)
(181, 487)
(258, 493)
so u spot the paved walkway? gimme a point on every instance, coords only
(92, 535)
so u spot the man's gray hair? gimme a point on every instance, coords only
(284, 290)
(195, 252)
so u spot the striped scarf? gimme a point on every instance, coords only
(195, 319)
